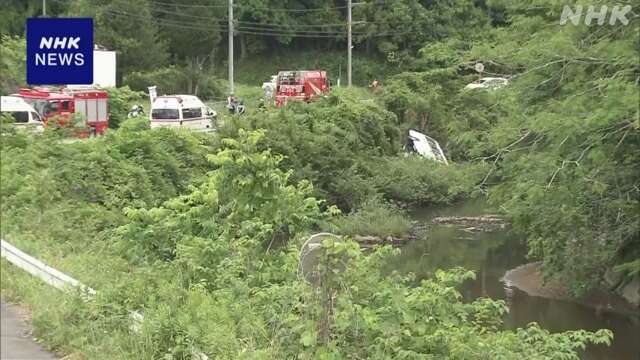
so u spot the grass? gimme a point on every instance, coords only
(373, 218)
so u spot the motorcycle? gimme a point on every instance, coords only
(236, 108)
(136, 110)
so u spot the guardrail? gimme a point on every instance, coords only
(62, 281)
(41, 270)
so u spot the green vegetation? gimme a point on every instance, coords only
(373, 218)
(210, 257)
(202, 232)
(347, 147)
(13, 66)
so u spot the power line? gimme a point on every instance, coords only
(306, 10)
(208, 18)
(250, 30)
(173, 12)
(161, 3)
(240, 29)
(256, 26)
(292, 25)
(285, 30)
(166, 22)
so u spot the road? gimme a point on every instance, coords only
(17, 343)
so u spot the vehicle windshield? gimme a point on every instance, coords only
(50, 107)
(38, 104)
(165, 114)
(19, 116)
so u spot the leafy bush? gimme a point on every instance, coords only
(12, 63)
(374, 217)
(325, 142)
(416, 180)
(221, 257)
(247, 190)
(120, 100)
(175, 80)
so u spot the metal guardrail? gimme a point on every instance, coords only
(41, 270)
(62, 281)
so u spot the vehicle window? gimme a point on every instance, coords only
(92, 110)
(102, 110)
(81, 107)
(64, 105)
(37, 104)
(191, 113)
(51, 107)
(165, 114)
(35, 117)
(20, 116)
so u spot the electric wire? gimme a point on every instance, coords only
(251, 28)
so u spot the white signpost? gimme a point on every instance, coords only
(152, 93)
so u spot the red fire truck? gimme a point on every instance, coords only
(303, 85)
(91, 103)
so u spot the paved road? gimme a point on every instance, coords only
(17, 343)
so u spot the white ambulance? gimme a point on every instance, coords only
(186, 111)
(22, 113)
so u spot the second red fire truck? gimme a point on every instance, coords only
(303, 85)
(91, 103)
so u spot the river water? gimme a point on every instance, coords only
(490, 255)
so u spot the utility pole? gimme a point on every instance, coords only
(231, 90)
(349, 45)
(350, 22)
(44, 8)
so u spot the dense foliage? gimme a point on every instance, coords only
(214, 268)
(190, 36)
(202, 233)
(347, 147)
(561, 139)
(567, 147)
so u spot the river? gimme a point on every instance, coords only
(490, 255)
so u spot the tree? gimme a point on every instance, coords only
(13, 63)
(127, 27)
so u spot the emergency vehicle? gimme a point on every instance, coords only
(23, 114)
(303, 85)
(181, 111)
(91, 103)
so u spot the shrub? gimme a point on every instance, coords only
(419, 181)
(374, 217)
(120, 100)
(175, 80)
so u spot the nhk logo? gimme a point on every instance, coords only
(54, 59)
(60, 51)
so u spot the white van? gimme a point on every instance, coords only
(181, 111)
(425, 146)
(22, 113)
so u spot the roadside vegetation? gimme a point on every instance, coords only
(202, 233)
(209, 256)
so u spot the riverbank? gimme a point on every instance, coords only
(528, 279)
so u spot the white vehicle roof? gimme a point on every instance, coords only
(492, 78)
(177, 102)
(14, 103)
(427, 146)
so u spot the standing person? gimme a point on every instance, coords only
(231, 103)
(375, 85)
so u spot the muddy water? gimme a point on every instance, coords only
(490, 255)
